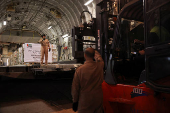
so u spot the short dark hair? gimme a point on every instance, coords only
(88, 54)
(42, 35)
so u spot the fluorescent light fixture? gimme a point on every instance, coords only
(88, 2)
(64, 36)
(50, 27)
(4, 23)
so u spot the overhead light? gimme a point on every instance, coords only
(64, 36)
(50, 27)
(4, 23)
(88, 2)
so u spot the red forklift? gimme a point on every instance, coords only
(135, 82)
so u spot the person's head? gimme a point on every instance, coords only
(89, 54)
(43, 36)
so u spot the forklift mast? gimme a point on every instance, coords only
(78, 34)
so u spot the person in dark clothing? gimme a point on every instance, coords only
(140, 62)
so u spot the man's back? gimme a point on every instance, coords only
(87, 86)
(91, 76)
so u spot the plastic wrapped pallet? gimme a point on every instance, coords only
(54, 53)
(20, 55)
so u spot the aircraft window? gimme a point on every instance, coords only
(158, 22)
(159, 71)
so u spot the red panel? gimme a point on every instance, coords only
(133, 99)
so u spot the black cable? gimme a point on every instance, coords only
(84, 12)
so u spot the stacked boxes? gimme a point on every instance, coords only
(17, 57)
(20, 55)
(14, 58)
(54, 53)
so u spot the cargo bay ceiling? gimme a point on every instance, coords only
(39, 15)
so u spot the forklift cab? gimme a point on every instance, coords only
(126, 62)
(151, 33)
(122, 91)
(128, 54)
